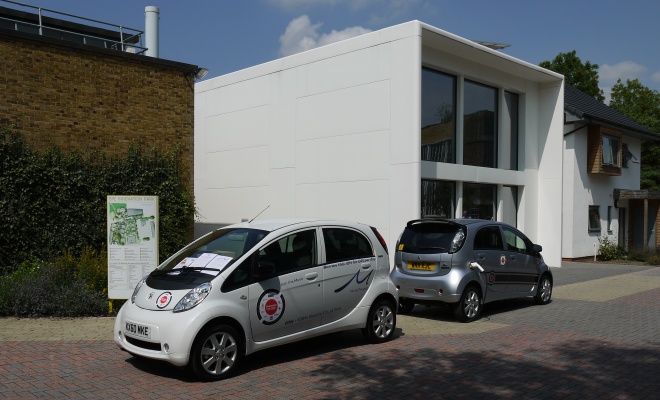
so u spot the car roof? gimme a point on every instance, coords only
(279, 223)
(458, 221)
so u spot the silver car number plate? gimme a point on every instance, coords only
(138, 330)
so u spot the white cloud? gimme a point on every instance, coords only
(656, 77)
(623, 70)
(301, 35)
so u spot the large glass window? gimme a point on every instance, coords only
(438, 116)
(510, 131)
(438, 198)
(479, 201)
(480, 125)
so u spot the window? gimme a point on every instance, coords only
(345, 244)
(438, 198)
(594, 218)
(438, 116)
(479, 200)
(609, 219)
(610, 151)
(488, 238)
(291, 253)
(480, 125)
(627, 156)
(510, 131)
(514, 240)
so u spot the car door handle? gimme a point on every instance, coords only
(481, 256)
(365, 265)
(311, 276)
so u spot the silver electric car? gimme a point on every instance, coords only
(467, 263)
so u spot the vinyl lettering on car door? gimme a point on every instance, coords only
(489, 251)
(523, 274)
(348, 271)
(291, 299)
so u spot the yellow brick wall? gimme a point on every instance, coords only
(76, 98)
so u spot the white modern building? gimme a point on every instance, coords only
(602, 199)
(383, 128)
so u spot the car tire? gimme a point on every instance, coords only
(405, 306)
(469, 306)
(216, 352)
(381, 322)
(544, 291)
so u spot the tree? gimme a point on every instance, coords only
(641, 104)
(582, 76)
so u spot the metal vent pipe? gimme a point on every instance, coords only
(151, 18)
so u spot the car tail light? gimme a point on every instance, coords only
(380, 239)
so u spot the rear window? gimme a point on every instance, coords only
(428, 238)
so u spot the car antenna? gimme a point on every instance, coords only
(255, 217)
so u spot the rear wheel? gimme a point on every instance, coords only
(469, 307)
(406, 306)
(381, 322)
(216, 353)
(544, 291)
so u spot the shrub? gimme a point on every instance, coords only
(609, 249)
(54, 203)
(67, 287)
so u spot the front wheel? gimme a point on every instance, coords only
(216, 353)
(544, 291)
(469, 307)
(381, 322)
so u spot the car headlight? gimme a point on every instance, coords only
(137, 289)
(194, 297)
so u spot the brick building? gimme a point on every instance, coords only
(66, 84)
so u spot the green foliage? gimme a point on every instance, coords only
(54, 204)
(641, 104)
(68, 287)
(609, 249)
(583, 76)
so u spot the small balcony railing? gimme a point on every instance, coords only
(73, 29)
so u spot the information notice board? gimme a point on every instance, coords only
(132, 242)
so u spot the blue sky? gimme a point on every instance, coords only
(228, 35)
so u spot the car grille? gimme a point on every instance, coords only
(142, 344)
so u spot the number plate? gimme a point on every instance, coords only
(138, 330)
(421, 266)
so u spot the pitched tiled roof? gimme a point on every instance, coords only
(584, 106)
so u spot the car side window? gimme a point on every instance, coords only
(345, 244)
(240, 277)
(514, 240)
(488, 238)
(292, 252)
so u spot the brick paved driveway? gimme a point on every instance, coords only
(598, 339)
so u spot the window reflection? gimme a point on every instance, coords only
(480, 125)
(437, 198)
(438, 116)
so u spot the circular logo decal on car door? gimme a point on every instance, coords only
(163, 300)
(270, 306)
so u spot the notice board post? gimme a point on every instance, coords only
(132, 242)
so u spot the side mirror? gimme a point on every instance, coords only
(264, 269)
(537, 248)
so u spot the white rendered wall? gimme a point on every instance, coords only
(582, 189)
(311, 136)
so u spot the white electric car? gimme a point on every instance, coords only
(251, 286)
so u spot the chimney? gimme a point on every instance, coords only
(151, 17)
